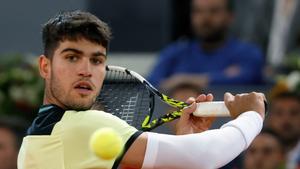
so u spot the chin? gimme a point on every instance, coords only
(81, 105)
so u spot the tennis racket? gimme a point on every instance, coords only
(129, 96)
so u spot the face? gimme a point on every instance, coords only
(75, 74)
(8, 150)
(284, 118)
(264, 153)
(210, 19)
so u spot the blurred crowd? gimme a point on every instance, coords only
(278, 145)
(214, 55)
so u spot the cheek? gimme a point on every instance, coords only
(61, 76)
(63, 71)
(219, 21)
(99, 78)
(297, 118)
(249, 160)
(276, 120)
(296, 124)
(196, 20)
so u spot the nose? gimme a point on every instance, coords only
(85, 68)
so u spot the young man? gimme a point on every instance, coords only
(73, 66)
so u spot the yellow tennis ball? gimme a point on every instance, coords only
(106, 143)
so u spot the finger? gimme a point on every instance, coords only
(188, 111)
(201, 98)
(264, 99)
(259, 95)
(209, 97)
(263, 96)
(211, 119)
(205, 120)
(228, 97)
(190, 100)
(203, 123)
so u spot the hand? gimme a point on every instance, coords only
(188, 123)
(241, 103)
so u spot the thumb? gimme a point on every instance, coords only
(188, 111)
(190, 100)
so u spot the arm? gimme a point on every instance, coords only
(207, 150)
(201, 150)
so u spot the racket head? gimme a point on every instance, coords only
(125, 95)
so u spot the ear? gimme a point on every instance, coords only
(44, 66)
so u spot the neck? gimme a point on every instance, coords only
(213, 42)
(210, 46)
(51, 100)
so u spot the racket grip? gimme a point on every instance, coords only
(212, 109)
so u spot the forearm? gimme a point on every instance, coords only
(207, 150)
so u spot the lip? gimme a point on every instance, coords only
(84, 87)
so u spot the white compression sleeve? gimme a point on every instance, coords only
(207, 150)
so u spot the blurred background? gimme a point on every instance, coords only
(256, 44)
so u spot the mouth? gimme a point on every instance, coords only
(83, 88)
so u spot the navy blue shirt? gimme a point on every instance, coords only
(188, 57)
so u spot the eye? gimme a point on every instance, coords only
(72, 58)
(97, 61)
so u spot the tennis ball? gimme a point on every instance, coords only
(106, 143)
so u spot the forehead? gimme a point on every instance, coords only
(83, 45)
(265, 139)
(286, 102)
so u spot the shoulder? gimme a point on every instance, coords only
(84, 123)
(76, 128)
(180, 45)
(94, 119)
(245, 47)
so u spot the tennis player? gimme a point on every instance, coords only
(73, 67)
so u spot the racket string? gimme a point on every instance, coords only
(125, 97)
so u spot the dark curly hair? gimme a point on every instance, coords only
(73, 25)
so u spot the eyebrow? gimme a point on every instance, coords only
(95, 54)
(72, 50)
(98, 53)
